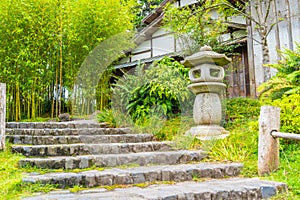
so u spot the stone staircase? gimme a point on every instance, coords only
(87, 144)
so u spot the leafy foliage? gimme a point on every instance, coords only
(290, 113)
(44, 42)
(197, 25)
(161, 90)
(11, 178)
(239, 110)
(242, 146)
(287, 79)
(174, 129)
(144, 8)
(125, 85)
(38, 119)
(114, 119)
(283, 90)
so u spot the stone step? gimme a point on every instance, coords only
(68, 131)
(90, 149)
(55, 125)
(111, 160)
(177, 173)
(233, 189)
(72, 139)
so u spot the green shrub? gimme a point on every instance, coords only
(240, 109)
(283, 90)
(174, 127)
(240, 146)
(287, 79)
(161, 90)
(114, 118)
(152, 124)
(290, 112)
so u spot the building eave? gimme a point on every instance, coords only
(146, 60)
(148, 30)
(156, 12)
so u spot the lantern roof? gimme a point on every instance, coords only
(206, 56)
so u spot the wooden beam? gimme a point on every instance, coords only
(277, 37)
(289, 27)
(250, 50)
(285, 135)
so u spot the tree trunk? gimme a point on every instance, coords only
(2, 115)
(266, 58)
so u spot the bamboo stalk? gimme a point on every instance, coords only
(2, 115)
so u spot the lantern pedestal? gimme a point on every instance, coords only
(208, 132)
(207, 75)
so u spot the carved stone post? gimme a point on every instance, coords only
(2, 115)
(207, 75)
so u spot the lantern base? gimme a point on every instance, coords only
(208, 132)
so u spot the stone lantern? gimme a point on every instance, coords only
(206, 75)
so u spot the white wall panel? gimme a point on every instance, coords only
(295, 19)
(124, 60)
(238, 19)
(141, 56)
(146, 45)
(187, 2)
(163, 45)
(159, 32)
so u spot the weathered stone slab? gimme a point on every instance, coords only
(71, 139)
(233, 189)
(68, 131)
(177, 173)
(90, 149)
(55, 125)
(111, 160)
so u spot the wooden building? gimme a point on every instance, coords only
(283, 22)
(245, 72)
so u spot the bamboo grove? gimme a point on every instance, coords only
(43, 44)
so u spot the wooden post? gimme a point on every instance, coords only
(250, 52)
(268, 146)
(2, 115)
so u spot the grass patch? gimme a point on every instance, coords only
(289, 170)
(37, 119)
(113, 187)
(11, 178)
(30, 169)
(242, 145)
